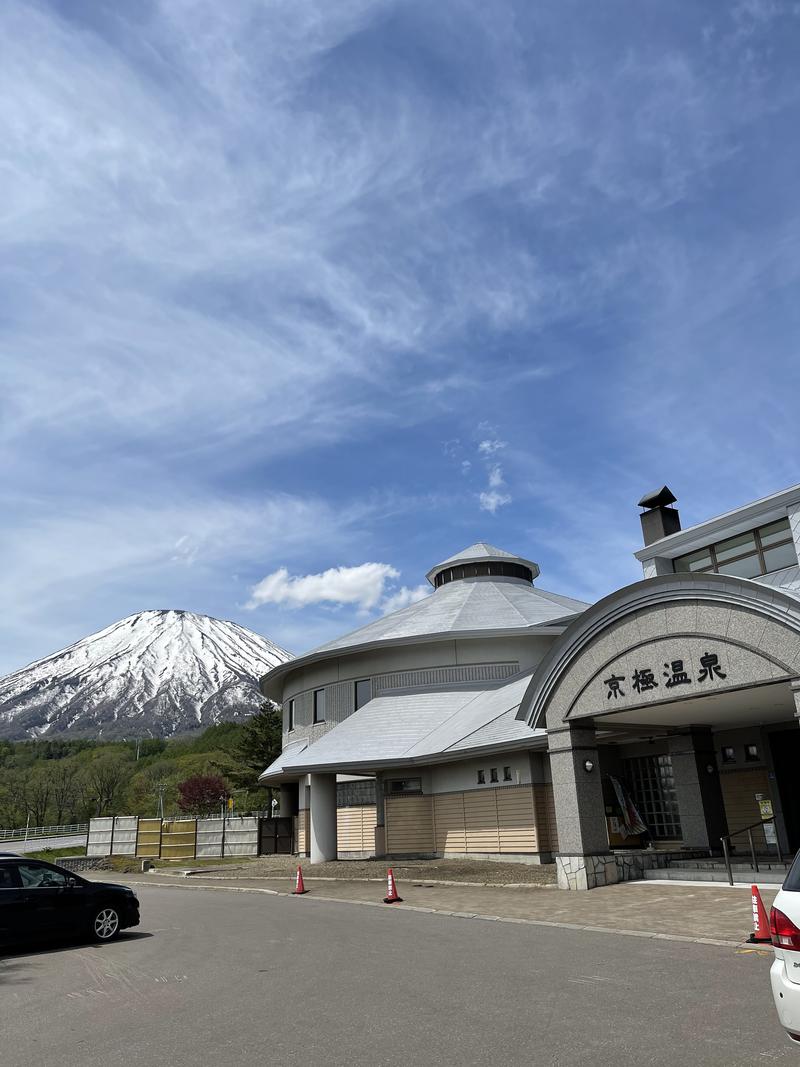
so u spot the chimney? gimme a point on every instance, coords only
(659, 520)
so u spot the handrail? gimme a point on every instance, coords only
(27, 832)
(726, 841)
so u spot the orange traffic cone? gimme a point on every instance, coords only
(761, 932)
(299, 888)
(392, 897)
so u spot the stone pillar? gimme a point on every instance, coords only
(583, 860)
(287, 805)
(323, 817)
(700, 803)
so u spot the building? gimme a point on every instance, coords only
(496, 719)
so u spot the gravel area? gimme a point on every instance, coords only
(480, 872)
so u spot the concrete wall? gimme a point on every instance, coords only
(447, 777)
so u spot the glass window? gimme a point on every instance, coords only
(735, 546)
(319, 705)
(775, 532)
(695, 561)
(34, 876)
(506, 774)
(363, 692)
(290, 717)
(7, 879)
(481, 777)
(652, 787)
(751, 753)
(748, 567)
(405, 785)
(780, 556)
(728, 754)
(493, 774)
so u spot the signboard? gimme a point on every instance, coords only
(676, 672)
(765, 808)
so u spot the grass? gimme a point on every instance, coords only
(52, 854)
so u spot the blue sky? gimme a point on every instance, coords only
(298, 298)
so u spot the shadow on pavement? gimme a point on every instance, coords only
(61, 944)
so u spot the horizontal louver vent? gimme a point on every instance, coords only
(435, 676)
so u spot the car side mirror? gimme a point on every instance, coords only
(71, 883)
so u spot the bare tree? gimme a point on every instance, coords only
(64, 789)
(38, 794)
(104, 779)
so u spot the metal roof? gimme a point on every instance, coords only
(467, 605)
(482, 552)
(417, 727)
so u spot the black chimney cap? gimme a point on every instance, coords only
(658, 499)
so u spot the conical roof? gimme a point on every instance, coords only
(482, 552)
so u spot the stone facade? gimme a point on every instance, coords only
(590, 872)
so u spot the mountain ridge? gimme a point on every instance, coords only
(152, 674)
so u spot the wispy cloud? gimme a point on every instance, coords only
(260, 260)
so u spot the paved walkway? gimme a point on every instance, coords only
(715, 913)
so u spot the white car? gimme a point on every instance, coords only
(784, 974)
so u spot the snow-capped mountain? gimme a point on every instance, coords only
(150, 675)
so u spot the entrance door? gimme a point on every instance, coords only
(785, 745)
(275, 837)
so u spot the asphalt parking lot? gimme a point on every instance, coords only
(223, 978)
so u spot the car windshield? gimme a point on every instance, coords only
(792, 883)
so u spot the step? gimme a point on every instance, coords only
(718, 874)
(736, 865)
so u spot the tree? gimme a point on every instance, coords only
(202, 793)
(259, 744)
(104, 780)
(64, 789)
(38, 795)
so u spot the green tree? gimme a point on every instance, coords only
(258, 745)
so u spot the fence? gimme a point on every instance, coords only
(129, 835)
(27, 833)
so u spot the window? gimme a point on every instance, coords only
(405, 785)
(363, 692)
(493, 774)
(652, 786)
(34, 876)
(319, 705)
(748, 555)
(506, 774)
(481, 777)
(728, 754)
(7, 877)
(751, 753)
(290, 717)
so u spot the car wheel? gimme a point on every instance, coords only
(105, 924)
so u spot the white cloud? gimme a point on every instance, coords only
(466, 466)
(493, 500)
(363, 586)
(496, 477)
(403, 597)
(488, 448)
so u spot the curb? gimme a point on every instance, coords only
(717, 942)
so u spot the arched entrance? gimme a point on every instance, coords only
(651, 688)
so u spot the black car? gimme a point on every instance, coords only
(40, 900)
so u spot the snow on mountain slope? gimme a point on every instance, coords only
(153, 674)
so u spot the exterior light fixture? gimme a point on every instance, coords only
(588, 766)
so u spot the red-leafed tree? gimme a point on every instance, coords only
(202, 794)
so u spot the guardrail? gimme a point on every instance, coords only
(26, 833)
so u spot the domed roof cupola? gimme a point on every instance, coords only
(482, 560)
